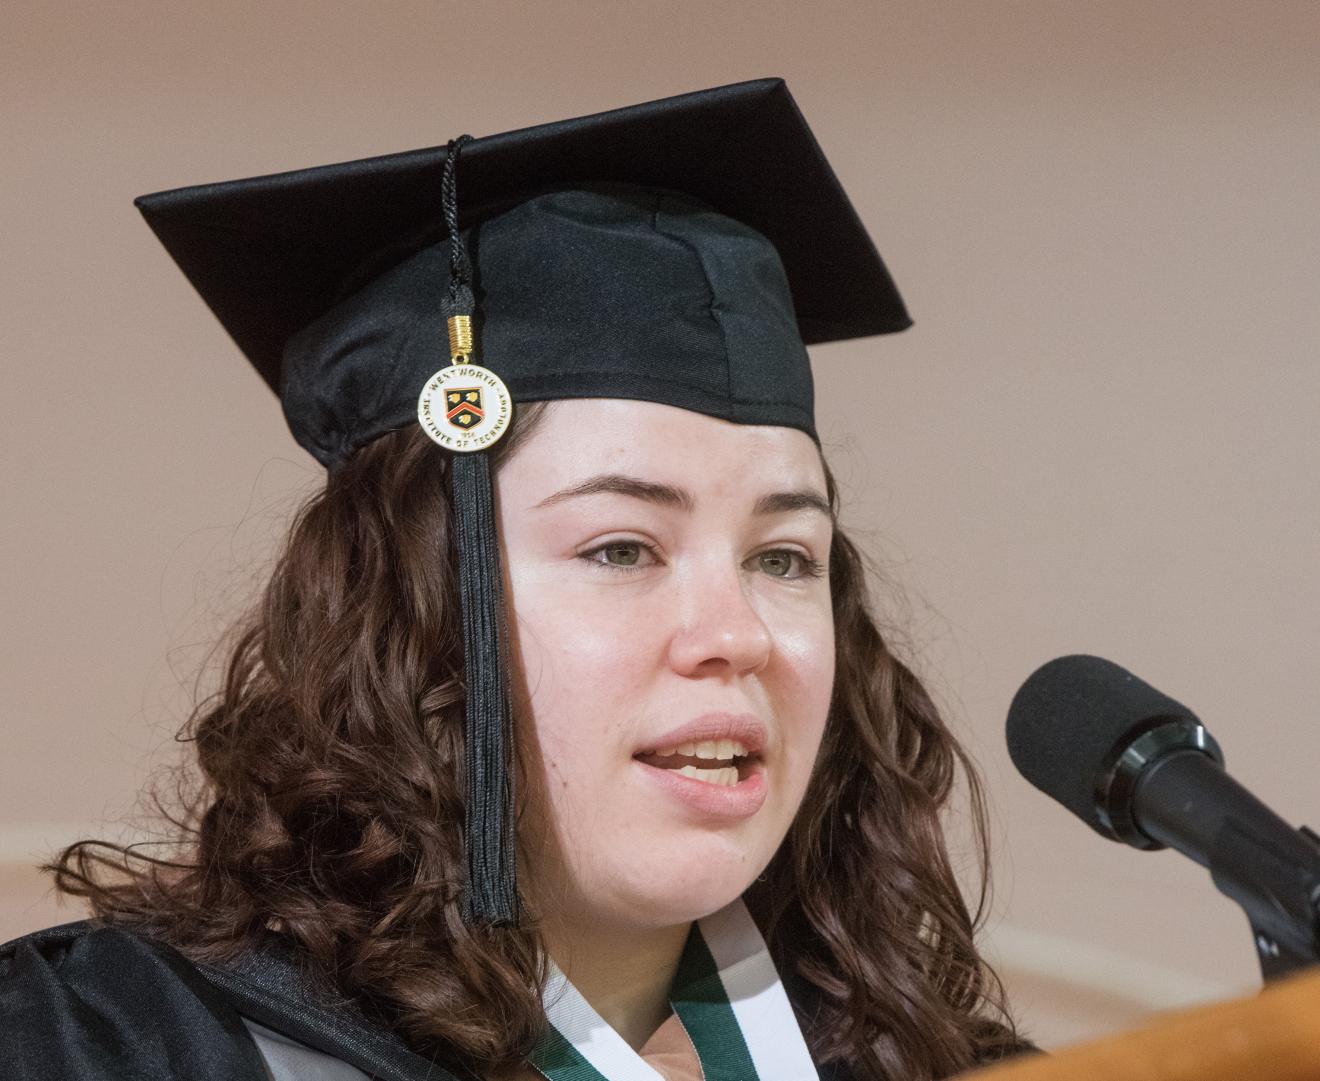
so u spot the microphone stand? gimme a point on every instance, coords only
(1280, 894)
(1254, 856)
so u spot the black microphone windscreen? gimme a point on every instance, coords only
(1070, 721)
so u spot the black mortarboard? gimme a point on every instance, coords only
(683, 251)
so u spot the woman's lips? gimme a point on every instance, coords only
(740, 800)
(719, 748)
(745, 728)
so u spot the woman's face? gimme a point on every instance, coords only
(673, 651)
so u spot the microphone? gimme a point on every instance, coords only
(1139, 767)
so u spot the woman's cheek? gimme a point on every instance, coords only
(808, 659)
(598, 623)
(586, 666)
(804, 642)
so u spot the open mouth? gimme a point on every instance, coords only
(721, 762)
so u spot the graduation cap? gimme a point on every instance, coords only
(683, 251)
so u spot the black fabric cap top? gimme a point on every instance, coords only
(681, 251)
(629, 293)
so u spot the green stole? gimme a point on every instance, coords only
(727, 996)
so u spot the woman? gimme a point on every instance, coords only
(722, 789)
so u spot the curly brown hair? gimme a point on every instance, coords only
(328, 806)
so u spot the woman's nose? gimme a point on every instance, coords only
(719, 631)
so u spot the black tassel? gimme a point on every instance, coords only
(492, 889)
(492, 893)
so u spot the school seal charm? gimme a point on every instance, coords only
(465, 407)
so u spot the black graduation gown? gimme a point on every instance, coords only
(91, 1002)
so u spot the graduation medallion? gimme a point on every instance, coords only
(465, 407)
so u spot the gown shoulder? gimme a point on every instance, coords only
(92, 1002)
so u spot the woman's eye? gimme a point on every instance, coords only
(627, 555)
(786, 563)
(622, 555)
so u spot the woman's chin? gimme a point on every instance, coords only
(649, 870)
(665, 893)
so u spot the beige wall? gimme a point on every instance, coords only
(1100, 435)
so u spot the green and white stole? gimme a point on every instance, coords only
(728, 997)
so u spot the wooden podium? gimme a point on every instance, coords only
(1272, 1036)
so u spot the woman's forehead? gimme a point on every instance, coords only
(581, 437)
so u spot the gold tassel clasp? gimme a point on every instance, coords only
(460, 339)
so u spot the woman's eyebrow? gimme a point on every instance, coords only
(667, 495)
(621, 484)
(801, 499)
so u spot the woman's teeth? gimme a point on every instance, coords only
(717, 749)
(725, 775)
(713, 761)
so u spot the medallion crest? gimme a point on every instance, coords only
(463, 407)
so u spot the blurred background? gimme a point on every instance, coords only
(1100, 436)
